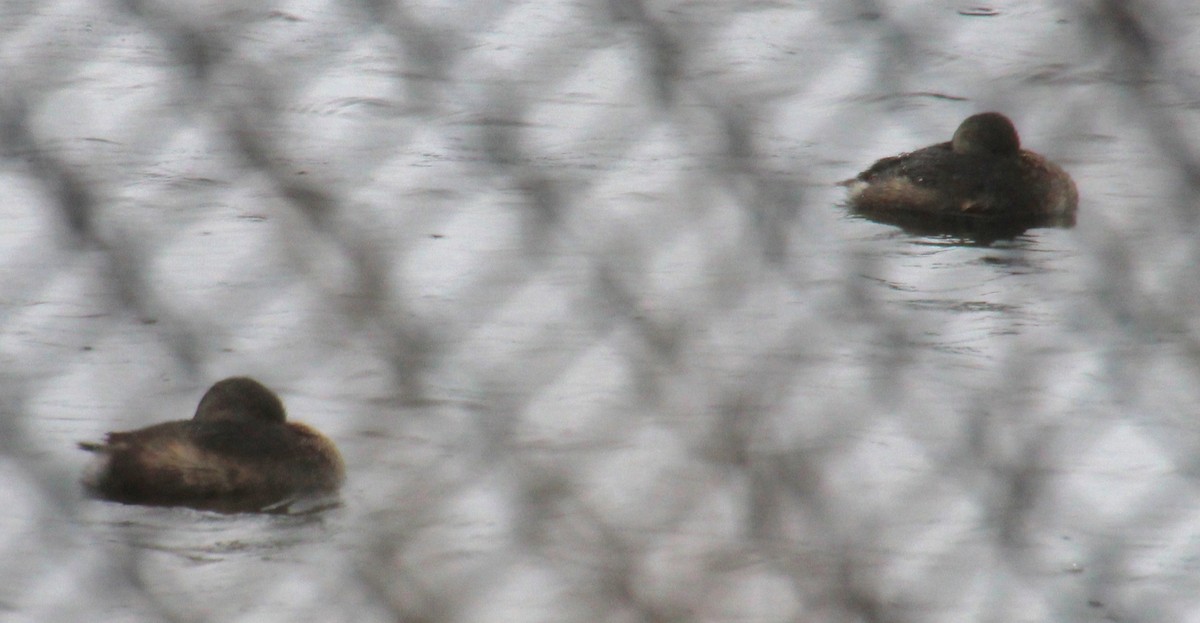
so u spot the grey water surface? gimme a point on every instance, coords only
(573, 288)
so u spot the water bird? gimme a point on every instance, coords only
(238, 453)
(979, 181)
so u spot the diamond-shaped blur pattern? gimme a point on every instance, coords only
(574, 290)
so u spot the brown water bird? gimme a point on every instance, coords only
(980, 178)
(237, 454)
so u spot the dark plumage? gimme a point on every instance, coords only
(980, 177)
(237, 453)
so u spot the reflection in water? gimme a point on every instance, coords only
(177, 562)
(961, 228)
(202, 536)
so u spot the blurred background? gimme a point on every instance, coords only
(572, 287)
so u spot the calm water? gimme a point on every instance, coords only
(583, 351)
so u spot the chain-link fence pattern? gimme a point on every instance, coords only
(571, 286)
